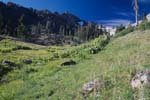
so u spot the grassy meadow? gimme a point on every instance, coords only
(111, 60)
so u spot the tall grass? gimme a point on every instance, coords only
(50, 81)
(125, 31)
(145, 25)
(91, 47)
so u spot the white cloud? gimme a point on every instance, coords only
(114, 22)
(126, 14)
(144, 1)
(122, 14)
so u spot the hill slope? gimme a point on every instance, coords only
(33, 17)
(115, 64)
(44, 27)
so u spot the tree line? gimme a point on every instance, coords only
(25, 23)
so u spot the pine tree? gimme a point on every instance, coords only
(48, 28)
(1, 23)
(33, 29)
(120, 28)
(38, 29)
(144, 18)
(21, 29)
(62, 30)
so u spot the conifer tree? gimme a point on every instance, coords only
(144, 18)
(1, 23)
(62, 30)
(21, 29)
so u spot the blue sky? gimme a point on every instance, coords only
(108, 12)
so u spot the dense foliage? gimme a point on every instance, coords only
(145, 25)
(29, 24)
(125, 31)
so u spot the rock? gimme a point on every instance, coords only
(141, 79)
(91, 86)
(9, 63)
(28, 61)
(67, 63)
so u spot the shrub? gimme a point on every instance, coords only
(120, 28)
(125, 31)
(64, 55)
(92, 47)
(19, 47)
(56, 55)
(82, 55)
(5, 50)
(144, 25)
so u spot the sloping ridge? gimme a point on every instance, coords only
(116, 64)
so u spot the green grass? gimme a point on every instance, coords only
(50, 81)
(145, 25)
(125, 31)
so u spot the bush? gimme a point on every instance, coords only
(120, 28)
(144, 26)
(56, 55)
(64, 55)
(19, 47)
(125, 31)
(81, 51)
(5, 50)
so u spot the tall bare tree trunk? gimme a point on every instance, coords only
(136, 8)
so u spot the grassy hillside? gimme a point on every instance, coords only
(45, 79)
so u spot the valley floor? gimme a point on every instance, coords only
(45, 79)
